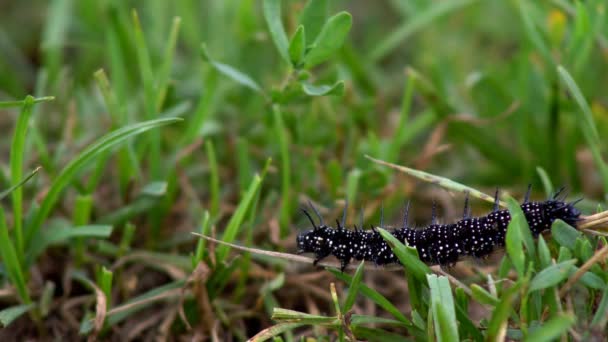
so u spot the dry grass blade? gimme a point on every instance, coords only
(287, 256)
(308, 260)
(165, 295)
(599, 220)
(441, 181)
(100, 311)
(597, 257)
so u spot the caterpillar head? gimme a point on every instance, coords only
(555, 209)
(314, 241)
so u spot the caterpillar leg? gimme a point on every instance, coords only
(343, 264)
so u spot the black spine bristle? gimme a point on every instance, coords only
(467, 209)
(527, 197)
(496, 201)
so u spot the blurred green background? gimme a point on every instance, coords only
(486, 93)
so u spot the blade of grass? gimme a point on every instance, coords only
(519, 219)
(410, 26)
(237, 218)
(353, 290)
(444, 314)
(374, 296)
(164, 72)
(407, 255)
(67, 174)
(16, 164)
(8, 315)
(587, 125)
(214, 179)
(23, 181)
(11, 261)
(283, 142)
(497, 326)
(441, 181)
(20, 103)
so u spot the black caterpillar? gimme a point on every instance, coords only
(441, 244)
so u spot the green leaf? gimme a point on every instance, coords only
(272, 14)
(565, 234)
(330, 39)
(313, 18)
(353, 289)
(83, 159)
(444, 314)
(551, 275)
(297, 47)
(9, 314)
(590, 279)
(336, 89)
(552, 329)
(408, 256)
(230, 72)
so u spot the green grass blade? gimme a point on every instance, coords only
(164, 72)
(214, 179)
(11, 261)
(8, 315)
(83, 159)
(374, 296)
(283, 142)
(433, 12)
(353, 290)
(23, 181)
(58, 235)
(237, 218)
(407, 256)
(497, 327)
(444, 314)
(587, 125)
(518, 216)
(16, 164)
(441, 181)
(10, 104)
